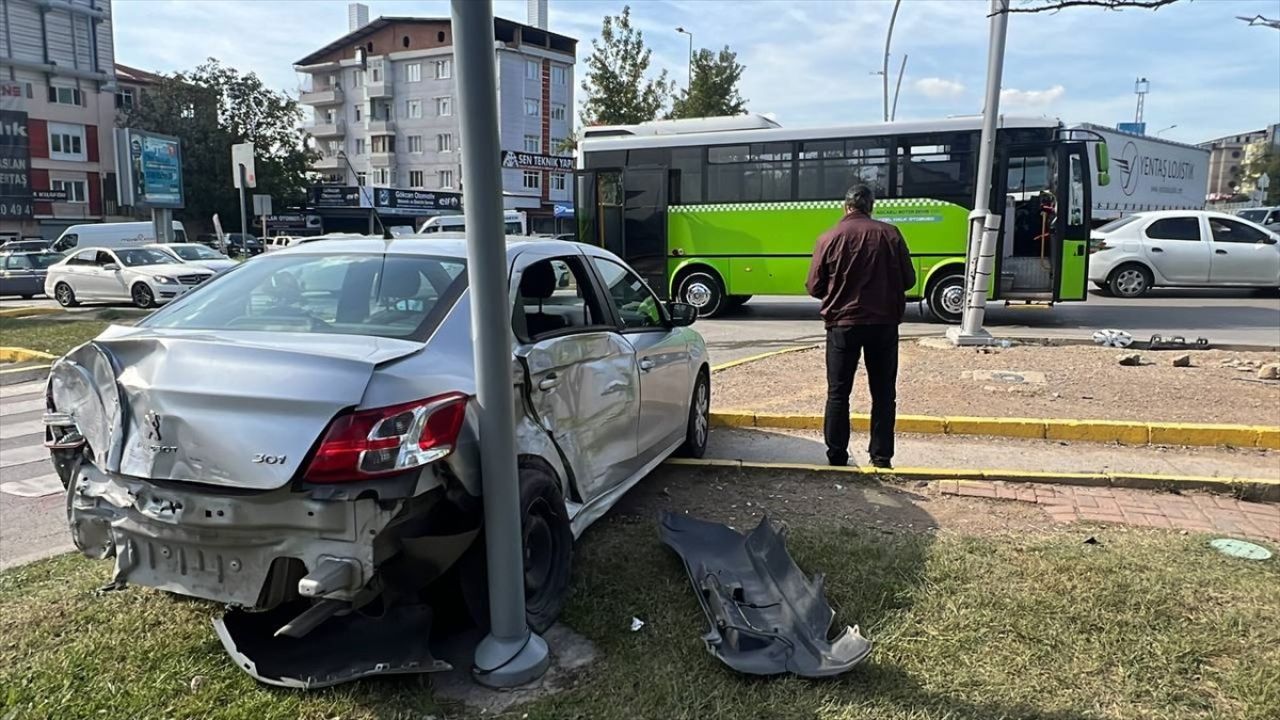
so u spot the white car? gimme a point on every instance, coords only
(143, 276)
(196, 254)
(1182, 248)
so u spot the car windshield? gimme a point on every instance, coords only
(1117, 224)
(41, 261)
(1256, 216)
(195, 252)
(396, 296)
(134, 257)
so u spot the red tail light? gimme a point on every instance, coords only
(371, 443)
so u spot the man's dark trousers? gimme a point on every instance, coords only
(844, 345)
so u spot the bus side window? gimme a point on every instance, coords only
(686, 176)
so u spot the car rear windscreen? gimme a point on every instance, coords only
(395, 296)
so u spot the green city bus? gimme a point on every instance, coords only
(715, 210)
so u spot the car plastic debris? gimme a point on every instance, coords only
(766, 616)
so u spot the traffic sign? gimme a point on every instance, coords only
(242, 154)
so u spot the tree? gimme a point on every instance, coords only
(210, 109)
(617, 89)
(714, 90)
(1269, 164)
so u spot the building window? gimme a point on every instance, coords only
(531, 180)
(446, 178)
(444, 69)
(532, 144)
(532, 107)
(557, 111)
(357, 78)
(65, 95)
(66, 142)
(382, 176)
(75, 190)
(415, 143)
(375, 74)
(558, 181)
(444, 143)
(124, 99)
(413, 108)
(359, 146)
(413, 72)
(357, 113)
(383, 144)
(532, 69)
(362, 179)
(444, 106)
(415, 178)
(559, 75)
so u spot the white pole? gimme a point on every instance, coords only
(884, 69)
(984, 226)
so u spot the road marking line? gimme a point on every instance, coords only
(761, 356)
(13, 430)
(27, 388)
(33, 487)
(17, 407)
(23, 455)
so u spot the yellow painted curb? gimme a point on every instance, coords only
(1267, 489)
(761, 356)
(17, 354)
(1129, 433)
(28, 311)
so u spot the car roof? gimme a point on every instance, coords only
(449, 244)
(1183, 213)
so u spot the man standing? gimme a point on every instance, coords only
(861, 272)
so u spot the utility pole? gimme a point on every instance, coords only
(893, 114)
(1140, 88)
(884, 70)
(511, 654)
(689, 87)
(984, 225)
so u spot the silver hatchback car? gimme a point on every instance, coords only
(303, 428)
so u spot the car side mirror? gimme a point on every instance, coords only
(1270, 241)
(682, 314)
(111, 267)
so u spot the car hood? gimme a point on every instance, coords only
(214, 265)
(194, 406)
(167, 269)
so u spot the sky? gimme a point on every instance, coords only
(816, 62)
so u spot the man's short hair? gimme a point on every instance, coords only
(860, 198)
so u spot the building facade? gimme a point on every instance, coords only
(384, 97)
(1228, 162)
(57, 111)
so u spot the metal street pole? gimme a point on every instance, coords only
(884, 70)
(984, 225)
(893, 114)
(244, 184)
(510, 654)
(682, 31)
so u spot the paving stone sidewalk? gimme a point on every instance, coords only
(1194, 512)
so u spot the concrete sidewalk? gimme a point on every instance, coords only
(1043, 456)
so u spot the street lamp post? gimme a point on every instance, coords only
(1166, 129)
(682, 31)
(884, 70)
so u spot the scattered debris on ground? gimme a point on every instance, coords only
(1129, 360)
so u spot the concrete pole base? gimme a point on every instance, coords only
(508, 663)
(960, 338)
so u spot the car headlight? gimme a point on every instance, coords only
(163, 280)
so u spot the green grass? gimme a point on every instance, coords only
(1145, 625)
(47, 335)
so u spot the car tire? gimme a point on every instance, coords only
(547, 538)
(1130, 280)
(26, 297)
(142, 296)
(699, 426)
(65, 296)
(1102, 287)
(945, 298)
(704, 291)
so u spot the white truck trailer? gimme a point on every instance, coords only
(1148, 173)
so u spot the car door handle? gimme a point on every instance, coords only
(1156, 249)
(1220, 252)
(646, 364)
(549, 383)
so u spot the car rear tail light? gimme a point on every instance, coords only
(382, 441)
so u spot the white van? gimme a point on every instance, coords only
(513, 219)
(112, 235)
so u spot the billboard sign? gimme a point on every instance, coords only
(150, 169)
(15, 167)
(1137, 128)
(409, 202)
(338, 196)
(515, 160)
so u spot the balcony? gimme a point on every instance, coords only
(380, 127)
(382, 159)
(328, 162)
(378, 90)
(321, 96)
(337, 128)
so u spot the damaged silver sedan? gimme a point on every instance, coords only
(300, 436)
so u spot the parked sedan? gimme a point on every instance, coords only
(1182, 248)
(300, 435)
(143, 276)
(196, 254)
(15, 246)
(23, 273)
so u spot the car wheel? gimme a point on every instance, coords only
(704, 291)
(548, 554)
(142, 296)
(65, 296)
(1129, 281)
(699, 426)
(1102, 287)
(946, 298)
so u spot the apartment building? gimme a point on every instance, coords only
(1228, 164)
(384, 97)
(57, 110)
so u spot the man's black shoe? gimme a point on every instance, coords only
(882, 462)
(837, 460)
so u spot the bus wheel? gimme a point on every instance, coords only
(946, 298)
(704, 291)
